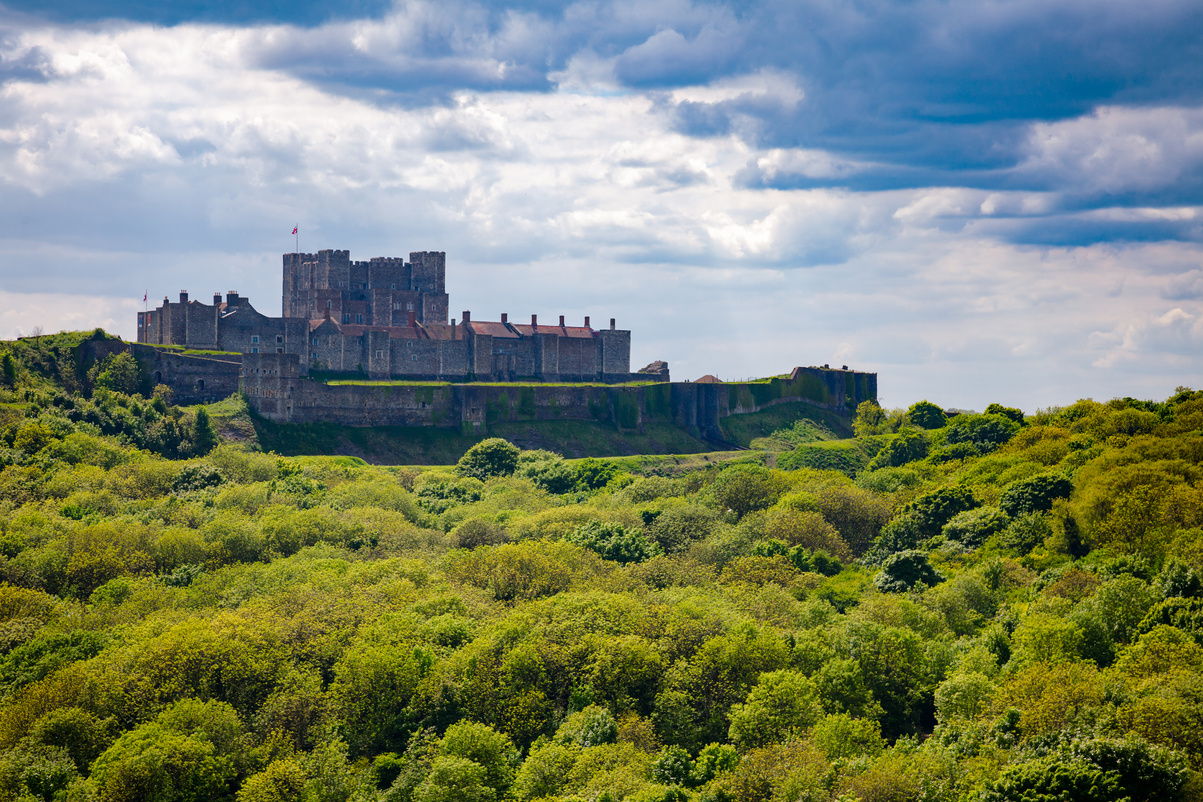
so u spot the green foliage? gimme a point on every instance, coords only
(972, 528)
(320, 629)
(746, 488)
(984, 432)
(120, 373)
(491, 457)
(902, 571)
(1034, 494)
(934, 509)
(613, 542)
(1012, 413)
(907, 446)
(926, 415)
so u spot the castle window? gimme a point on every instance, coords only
(392, 286)
(254, 338)
(254, 350)
(313, 356)
(346, 317)
(279, 338)
(414, 357)
(409, 345)
(315, 340)
(279, 350)
(359, 318)
(380, 355)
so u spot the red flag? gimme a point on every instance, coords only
(144, 296)
(294, 230)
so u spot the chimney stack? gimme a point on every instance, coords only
(505, 318)
(183, 296)
(611, 324)
(413, 318)
(217, 299)
(534, 321)
(231, 298)
(586, 321)
(561, 321)
(467, 316)
(453, 334)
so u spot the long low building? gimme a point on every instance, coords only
(387, 318)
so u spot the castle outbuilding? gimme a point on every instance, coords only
(388, 318)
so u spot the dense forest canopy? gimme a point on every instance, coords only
(995, 607)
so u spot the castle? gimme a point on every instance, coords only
(388, 318)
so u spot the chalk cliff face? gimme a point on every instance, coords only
(389, 318)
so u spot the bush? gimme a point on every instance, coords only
(613, 542)
(972, 528)
(902, 571)
(937, 507)
(478, 532)
(746, 488)
(1034, 494)
(985, 432)
(908, 446)
(491, 457)
(926, 415)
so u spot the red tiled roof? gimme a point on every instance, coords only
(709, 379)
(499, 330)
(577, 332)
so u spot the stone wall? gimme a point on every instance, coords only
(273, 387)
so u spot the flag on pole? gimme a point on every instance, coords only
(294, 230)
(144, 294)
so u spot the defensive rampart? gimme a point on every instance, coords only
(274, 388)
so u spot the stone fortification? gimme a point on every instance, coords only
(274, 387)
(388, 318)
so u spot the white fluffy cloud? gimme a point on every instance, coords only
(181, 158)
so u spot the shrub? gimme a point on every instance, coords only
(972, 528)
(986, 432)
(612, 541)
(908, 446)
(926, 415)
(902, 571)
(1034, 494)
(491, 457)
(937, 507)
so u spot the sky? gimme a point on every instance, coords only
(993, 201)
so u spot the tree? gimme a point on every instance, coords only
(204, 439)
(153, 764)
(491, 457)
(613, 542)
(870, 419)
(487, 748)
(902, 571)
(8, 369)
(973, 527)
(746, 488)
(1034, 494)
(986, 432)
(926, 415)
(1007, 412)
(1054, 779)
(910, 445)
(937, 507)
(120, 373)
(455, 779)
(781, 705)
